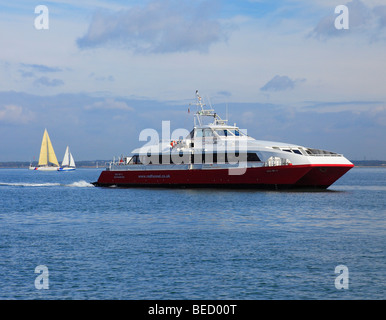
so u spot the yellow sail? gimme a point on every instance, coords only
(47, 153)
(43, 150)
(51, 153)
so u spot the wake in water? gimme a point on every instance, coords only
(77, 184)
(24, 184)
(80, 184)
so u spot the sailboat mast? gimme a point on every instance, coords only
(47, 150)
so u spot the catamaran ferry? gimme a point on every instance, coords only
(217, 155)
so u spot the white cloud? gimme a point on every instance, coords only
(15, 114)
(159, 27)
(109, 103)
(363, 20)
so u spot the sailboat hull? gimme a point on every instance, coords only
(66, 169)
(43, 168)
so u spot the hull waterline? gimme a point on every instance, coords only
(66, 169)
(280, 177)
(44, 168)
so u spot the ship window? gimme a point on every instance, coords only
(252, 157)
(297, 151)
(199, 133)
(287, 150)
(235, 132)
(238, 133)
(223, 158)
(225, 133)
(221, 133)
(196, 158)
(168, 158)
(220, 158)
(208, 133)
(135, 160)
(164, 158)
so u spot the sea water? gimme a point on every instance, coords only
(62, 238)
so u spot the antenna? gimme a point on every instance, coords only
(202, 112)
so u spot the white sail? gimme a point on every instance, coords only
(66, 158)
(72, 162)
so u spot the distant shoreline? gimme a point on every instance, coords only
(382, 166)
(96, 164)
(90, 164)
(369, 163)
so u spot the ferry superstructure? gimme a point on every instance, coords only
(217, 155)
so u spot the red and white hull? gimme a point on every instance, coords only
(279, 177)
(322, 176)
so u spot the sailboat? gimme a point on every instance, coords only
(68, 163)
(47, 158)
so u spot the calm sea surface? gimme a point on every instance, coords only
(109, 243)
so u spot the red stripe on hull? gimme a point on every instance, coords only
(253, 177)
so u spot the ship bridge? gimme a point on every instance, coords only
(215, 131)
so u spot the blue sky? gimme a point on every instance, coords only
(105, 70)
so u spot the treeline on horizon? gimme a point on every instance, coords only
(102, 163)
(79, 164)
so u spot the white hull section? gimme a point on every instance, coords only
(66, 169)
(44, 168)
